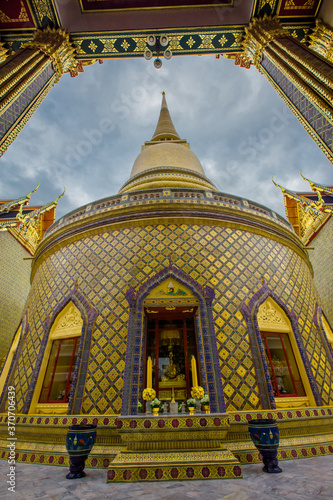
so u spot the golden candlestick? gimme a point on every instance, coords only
(194, 371)
(149, 373)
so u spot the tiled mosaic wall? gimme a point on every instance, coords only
(321, 260)
(313, 116)
(231, 261)
(14, 289)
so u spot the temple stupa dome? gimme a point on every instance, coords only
(167, 154)
(166, 161)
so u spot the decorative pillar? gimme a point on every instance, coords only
(27, 76)
(3, 52)
(301, 77)
(321, 40)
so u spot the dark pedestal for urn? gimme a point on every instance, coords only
(79, 442)
(265, 436)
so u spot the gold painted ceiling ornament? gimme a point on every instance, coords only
(259, 34)
(79, 66)
(3, 53)
(55, 44)
(321, 40)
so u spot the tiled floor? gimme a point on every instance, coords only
(301, 479)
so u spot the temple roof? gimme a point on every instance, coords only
(26, 223)
(8, 206)
(308, 211)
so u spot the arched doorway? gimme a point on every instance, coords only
(170, 320)
(172, 348)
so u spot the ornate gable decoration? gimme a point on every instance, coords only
(170, 291)
(68, 323)
(272, 318)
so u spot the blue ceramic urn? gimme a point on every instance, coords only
(265, 436)
(79, 442)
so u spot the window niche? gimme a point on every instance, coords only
(287, 374)
(54, 382)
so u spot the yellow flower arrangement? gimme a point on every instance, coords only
(148, 394)
(197, 392)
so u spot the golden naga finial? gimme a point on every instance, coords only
(25, 219)
(313, 206)
(318, 187)
(6, 207)
(278, 185)
(308, 180)
(62, 194)
(20, 216)
(33, 191)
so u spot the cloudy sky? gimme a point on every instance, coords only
(88, 131)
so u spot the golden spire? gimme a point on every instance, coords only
(165, 128)
(166, 161)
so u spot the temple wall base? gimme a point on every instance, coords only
(304, 433)
(165, 448)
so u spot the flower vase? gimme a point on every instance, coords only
(198, 406)
(265, 436)
(155, 411)
(148, 407)
(191, 410)
(79, 442)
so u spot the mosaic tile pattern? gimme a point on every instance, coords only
(15, 285)
(206, 341)
(306, 451)
(309, 59)
(300, 414)
(180, 472)
(322, 264)
(204, 199)
(231, 261)
(310, 113)
(292, 423)
(15, 110)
